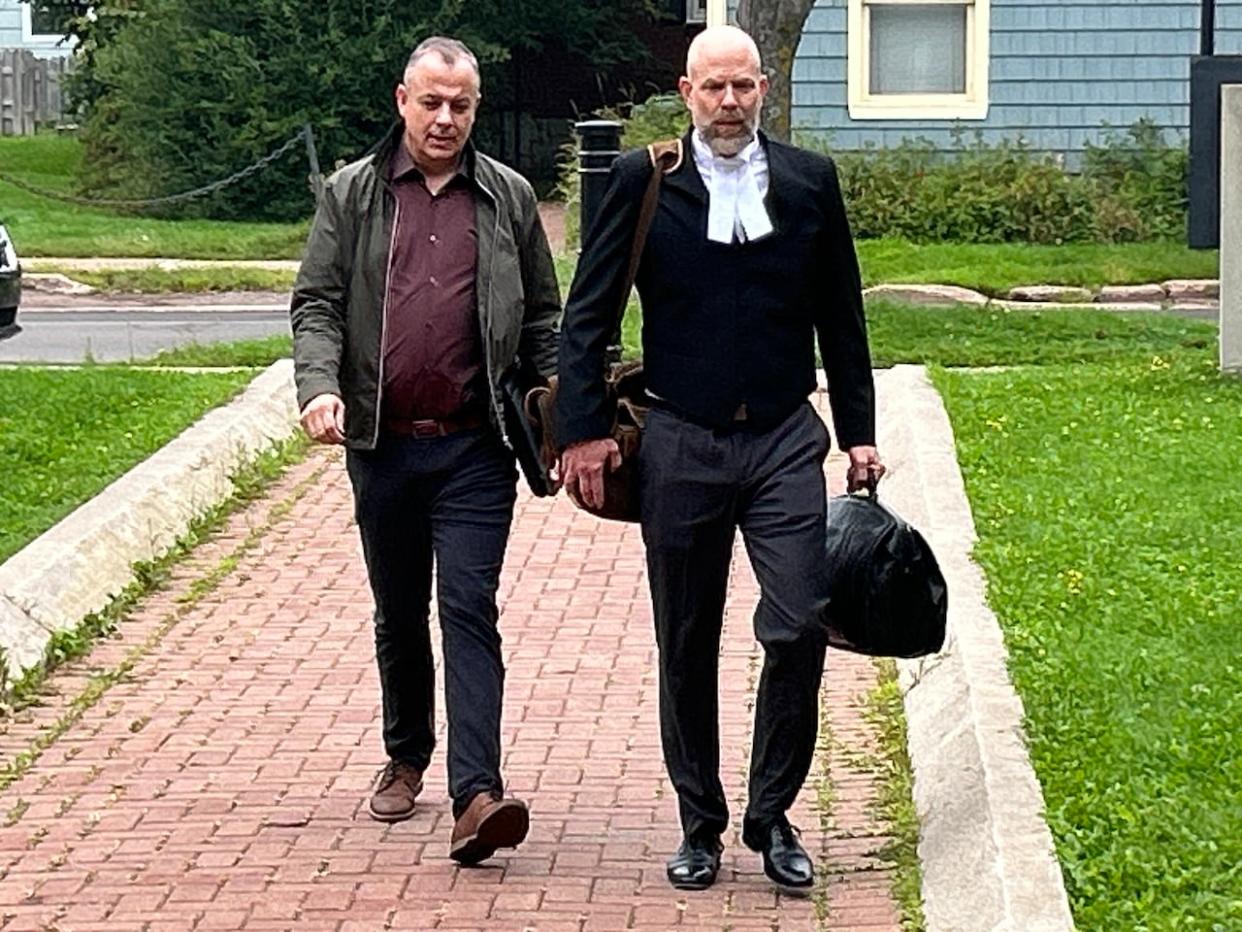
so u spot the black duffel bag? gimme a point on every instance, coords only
(888, 596)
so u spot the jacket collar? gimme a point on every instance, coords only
(386, 154)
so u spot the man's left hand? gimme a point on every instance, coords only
(865, 469)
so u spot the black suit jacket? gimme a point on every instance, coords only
(723, 325)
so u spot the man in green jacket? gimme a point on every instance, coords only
(427, 274)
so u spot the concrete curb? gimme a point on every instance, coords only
(80, 564)
(986, 851)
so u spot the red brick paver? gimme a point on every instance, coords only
(220, 783)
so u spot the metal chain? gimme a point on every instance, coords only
(215, 186)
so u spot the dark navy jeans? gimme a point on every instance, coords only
(442, 503)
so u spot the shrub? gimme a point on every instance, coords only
(1131, 187)
(1141, 181)
(663, 116)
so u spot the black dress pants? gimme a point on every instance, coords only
(448, 502)
(698, 486)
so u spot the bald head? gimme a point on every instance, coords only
(723, 88)
(715, 42)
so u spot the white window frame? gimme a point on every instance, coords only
(696, 11)
(32, 37)
(971, 105)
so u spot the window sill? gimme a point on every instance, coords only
(915, 108)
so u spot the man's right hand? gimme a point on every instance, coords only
(582, 470)
(323, 419)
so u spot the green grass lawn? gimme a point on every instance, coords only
(45, 227)
(970, 336)
(183, 281)
(255, 353)
(962, 336)
(66, 433)
(1107, 499)
(995, 268)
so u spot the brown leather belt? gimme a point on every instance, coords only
(433, 428)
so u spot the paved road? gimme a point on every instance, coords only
(111, 331)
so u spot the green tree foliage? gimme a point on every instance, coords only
(183, 93)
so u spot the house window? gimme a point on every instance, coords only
(39, 25)
(918, 59)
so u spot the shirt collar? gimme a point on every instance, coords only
(403, 164)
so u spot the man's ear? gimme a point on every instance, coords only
(684, 87)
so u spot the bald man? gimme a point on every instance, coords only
(748, 260)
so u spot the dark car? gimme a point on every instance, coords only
(10, 280)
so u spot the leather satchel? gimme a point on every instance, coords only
(624, 382)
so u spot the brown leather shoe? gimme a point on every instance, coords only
(398, 785)
(489, 822)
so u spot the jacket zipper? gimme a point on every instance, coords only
(484, 315)
(379, 388)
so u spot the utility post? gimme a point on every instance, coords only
(717, 12)
(1231, 228)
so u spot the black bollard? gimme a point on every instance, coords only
(599, 146)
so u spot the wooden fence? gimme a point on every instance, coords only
(30, 92)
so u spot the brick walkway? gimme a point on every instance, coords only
(219, 781)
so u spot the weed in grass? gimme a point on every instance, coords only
(253, 353)
(825, 801)
(183, 281)
(15, 813)
(1107, 512)
(251, 480)
(895, 804)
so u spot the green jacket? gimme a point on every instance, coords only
(338, 301)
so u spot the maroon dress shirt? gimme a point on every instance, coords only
(433, 352)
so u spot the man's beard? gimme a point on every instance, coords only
(726, 147)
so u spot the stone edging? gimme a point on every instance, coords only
(985, 849)
(1175, 294)
(79, 565)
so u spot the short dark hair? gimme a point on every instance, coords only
(450, 50)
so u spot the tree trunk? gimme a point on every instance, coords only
(776, 26)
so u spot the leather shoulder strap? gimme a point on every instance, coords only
(666, 153)
(665, 157)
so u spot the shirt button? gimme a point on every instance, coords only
(433, 238)
(433, 281)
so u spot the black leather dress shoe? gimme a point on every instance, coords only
(696, 863)
(785, 861)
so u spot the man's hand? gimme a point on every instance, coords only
(865, 468)
(323, 419)
(582, 470)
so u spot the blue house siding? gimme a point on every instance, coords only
(11, 34)
(1059, 71)
(10, 24)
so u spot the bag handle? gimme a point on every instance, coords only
(665, 157)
